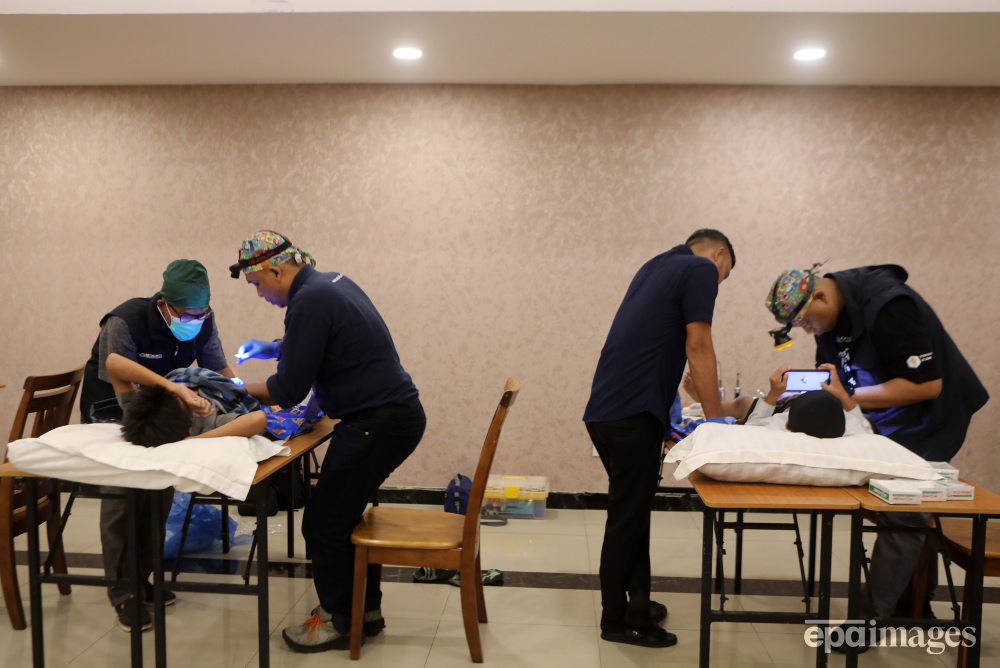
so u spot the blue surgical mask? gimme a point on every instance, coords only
(184, 331)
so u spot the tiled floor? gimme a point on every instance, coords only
(528, 625)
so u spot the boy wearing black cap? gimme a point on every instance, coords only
(172, 329)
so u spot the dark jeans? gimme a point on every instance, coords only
(114, 535)
(361, 455)
(630, 451)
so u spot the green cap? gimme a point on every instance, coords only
(185, 284)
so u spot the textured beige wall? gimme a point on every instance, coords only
(496, 228)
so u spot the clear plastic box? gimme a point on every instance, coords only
(516, 497)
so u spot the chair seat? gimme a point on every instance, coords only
(409, 528)
(958, 533)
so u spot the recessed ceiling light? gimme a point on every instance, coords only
(809, 54)
(407, 53)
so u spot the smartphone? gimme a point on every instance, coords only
(804, 380)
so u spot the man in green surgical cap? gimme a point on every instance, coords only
(170, 330)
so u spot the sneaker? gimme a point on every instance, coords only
(126, 612)
(373, 622)
(491, 577)
(860, 638)
(317, 634)
(169, 597)
(432, 574)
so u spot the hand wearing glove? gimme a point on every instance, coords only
(259, 350)
(721, 420)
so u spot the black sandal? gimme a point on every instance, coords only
(651, 637)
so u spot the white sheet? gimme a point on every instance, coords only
(97, 454)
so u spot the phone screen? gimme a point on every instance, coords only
(804, 380)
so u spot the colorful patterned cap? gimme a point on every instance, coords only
(791, 295)
(267, 248)
(185, 284)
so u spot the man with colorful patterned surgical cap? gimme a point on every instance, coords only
(172, 329)
(336, 344)
(901, 367)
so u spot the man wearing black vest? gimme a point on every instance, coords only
(902, 368)
(170, 330)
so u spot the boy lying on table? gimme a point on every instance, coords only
(826, 413)
(157, 412)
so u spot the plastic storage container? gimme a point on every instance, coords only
(516, 497)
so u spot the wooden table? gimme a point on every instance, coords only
(979, 510)
(718, 495)
(299, 446)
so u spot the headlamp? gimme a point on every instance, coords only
(781, 338)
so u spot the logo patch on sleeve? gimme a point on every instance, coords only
(914, 361)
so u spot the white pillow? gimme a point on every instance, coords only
(757, 454)
(99, 455)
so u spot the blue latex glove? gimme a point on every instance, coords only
(675, 411)
(259, 350)
(721, 420)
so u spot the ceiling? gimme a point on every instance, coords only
(268, 46)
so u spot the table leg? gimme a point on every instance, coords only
(263, 605)
(854, 579)
(134, 569)
(974, 579)
(707, 550)
(825, 559)
(812, 553)
(159, 618)
(292, 486)
(34, 585)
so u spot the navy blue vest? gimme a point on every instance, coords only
(156, 347)
(933, 429)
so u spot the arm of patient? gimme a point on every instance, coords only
(245, 425)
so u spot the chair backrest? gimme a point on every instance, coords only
(471, 529)
(50, 398)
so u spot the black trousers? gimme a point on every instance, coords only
(361, 455)
(630, 451)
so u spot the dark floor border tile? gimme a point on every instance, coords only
(671, 499)
(528, 579)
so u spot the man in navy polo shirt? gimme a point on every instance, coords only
(664, 322)
(336, 344)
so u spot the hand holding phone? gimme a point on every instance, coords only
(806, 380)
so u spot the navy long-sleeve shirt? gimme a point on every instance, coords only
(337, 343)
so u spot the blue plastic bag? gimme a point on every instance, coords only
(205, 531)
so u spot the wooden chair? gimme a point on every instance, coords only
(957, 534)
(411, 537)
(51, 399)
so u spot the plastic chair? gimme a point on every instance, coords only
(431, 539)
(51, 400)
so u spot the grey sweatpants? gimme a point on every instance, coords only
(114, 535)
(894, 559)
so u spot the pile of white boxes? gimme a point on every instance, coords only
(913, 492)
